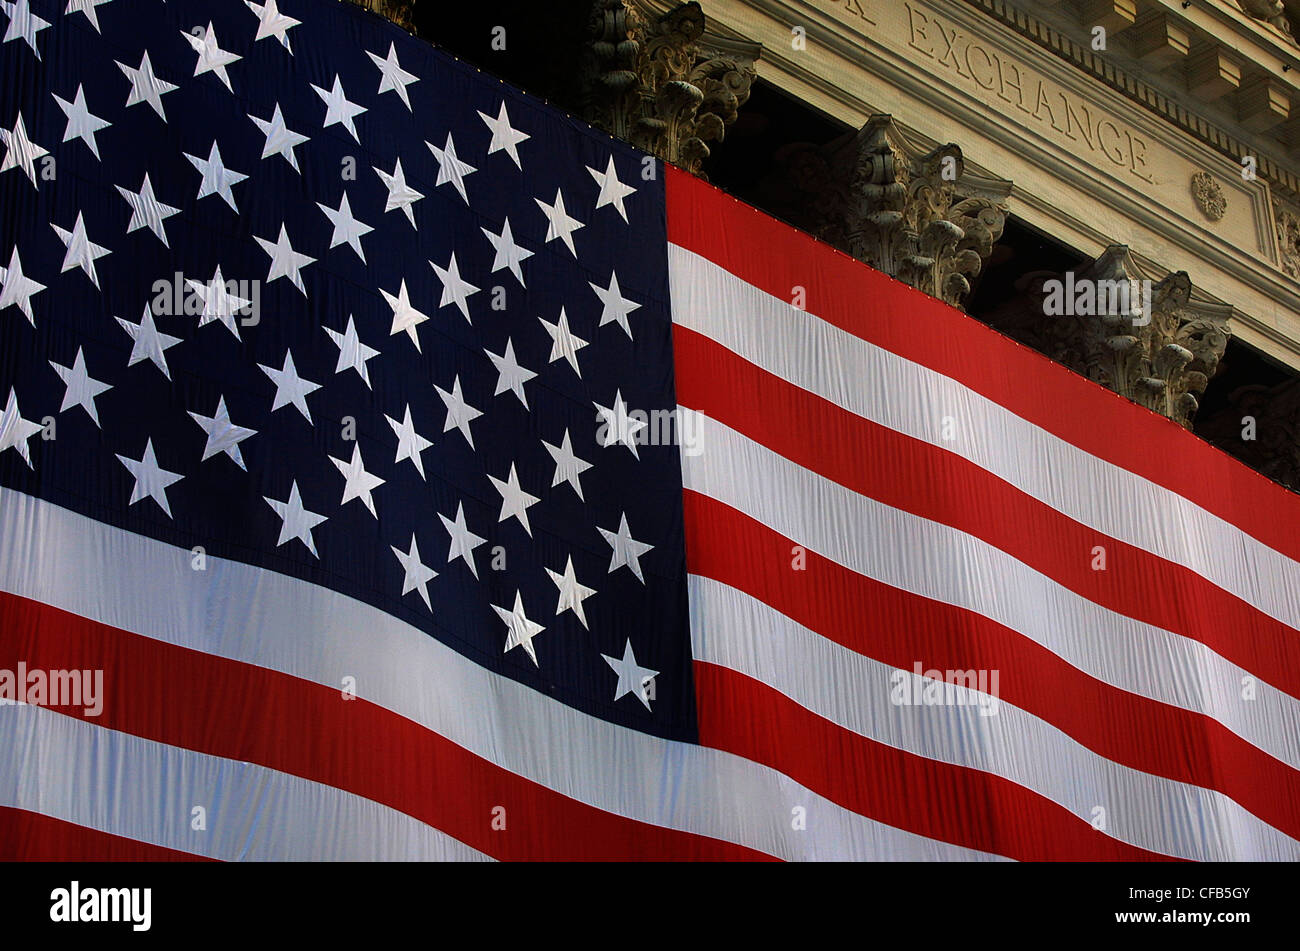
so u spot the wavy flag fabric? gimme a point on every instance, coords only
(393, 467)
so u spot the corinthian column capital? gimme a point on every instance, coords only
(918, 213)
(401, 12)
(662, 81)
(1151, 339)
(1261, 426)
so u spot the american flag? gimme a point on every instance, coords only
(431, 476)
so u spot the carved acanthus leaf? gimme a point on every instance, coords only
(1152, 341)
(662, 82)
(915, 212)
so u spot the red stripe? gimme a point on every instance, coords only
(734, 549)
(33, 837)
(225, 708)
(917, 477)
(775, 258)
(955, 804)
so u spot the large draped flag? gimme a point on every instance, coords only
(393, 467)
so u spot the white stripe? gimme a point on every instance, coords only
(939, 562)
(733, 630)
(259, 617)
(140, 789)
(911, 399)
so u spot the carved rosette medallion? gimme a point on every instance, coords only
(1209, 197)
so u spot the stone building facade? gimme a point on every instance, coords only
(1115, 183)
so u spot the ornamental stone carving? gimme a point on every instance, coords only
(401, 12)
(915, 212)
(1261, 427)
(1208, 195)
(1270, 11)
(662, 82)
(1283, 14)
(1287, 222)
(1151, 341)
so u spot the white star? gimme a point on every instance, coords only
(17, 289)
(280, 140)
(23, 152)
(459, 413)
(285, 261)
(391, 75)
(632, 678)
(353, 354)
(295, 521)
(81, 124)
(521, 630)
(463, 541)
(212, 58)
(358, 483)
(147, 211)
(572, 594)
(612, 191)
(508, 254)
(400, 194)
(82, 252)
(559, 224)
(450, 168)
(23, 24)
(346, 227)
(515, 502)
(223, 435)
(405, 317)
(218, 302)
(338, 111)
(88, 8)
(150, 342)
(15, 431)
(454, 289)
(271, 22)
(510, 375)
(217, 179)
(568, 467)
(409, 443)
(80, 390)
(626, 549)
(615, 306)
(151, 480)
(618, 426)
(145, 86)
(417, 574)
(503, 136)
(564, 342)
(289, 386)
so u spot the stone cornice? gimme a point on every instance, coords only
(859, 62)
(1278, 172)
